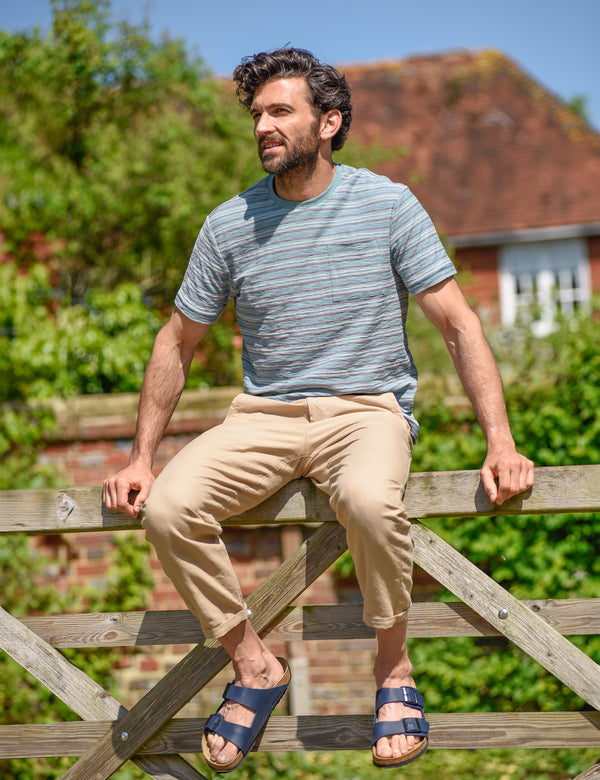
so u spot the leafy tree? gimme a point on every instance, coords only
(114, 149)
(48, 349)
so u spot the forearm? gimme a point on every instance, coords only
(505, 472)
(478, 372)
(163, 384)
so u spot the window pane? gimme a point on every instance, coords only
(538, 279)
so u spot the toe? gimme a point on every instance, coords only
(384, 749)
(215, 744)
(226, 753)
(396, 746)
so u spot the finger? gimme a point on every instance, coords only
(124, 486)
(509, 484)
(489, 483)
(109, 495)
(140, 497)
(515, 480)
(529, 474)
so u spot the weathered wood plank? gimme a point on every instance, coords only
(199, 666)
(429, 494)
(593, 773)
(522, 626)
(332, 621)
(85, 697)
(431, 619)
(64, 511)
(87, 417)
(466, 731)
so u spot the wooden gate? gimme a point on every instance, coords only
(148, 733)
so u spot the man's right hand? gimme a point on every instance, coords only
(127, 490)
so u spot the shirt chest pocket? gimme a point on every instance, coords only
(358, 270)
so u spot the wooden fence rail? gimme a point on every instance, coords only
(153, 738)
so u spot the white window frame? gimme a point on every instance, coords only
(539, 279)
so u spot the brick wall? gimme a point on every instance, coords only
(594, 255)
(479, 280)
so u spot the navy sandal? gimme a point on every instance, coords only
(411, 727)
(262, 700)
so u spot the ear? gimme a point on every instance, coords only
(330, 123)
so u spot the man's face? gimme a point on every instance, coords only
(286, 125)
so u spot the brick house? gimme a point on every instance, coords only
(507, 171)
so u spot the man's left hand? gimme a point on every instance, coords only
(506, 473)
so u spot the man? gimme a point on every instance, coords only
(320, 259)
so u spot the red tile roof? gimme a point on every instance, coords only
(487, 149)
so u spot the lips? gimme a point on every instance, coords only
(269, 145)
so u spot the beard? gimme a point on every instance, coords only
(303, 154)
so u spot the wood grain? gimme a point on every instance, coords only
(466, 731)
(593, 773)
(330, 621)
(558, 489)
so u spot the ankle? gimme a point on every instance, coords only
(257, 670)
(393, 676)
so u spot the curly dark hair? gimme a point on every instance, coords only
(329, 89)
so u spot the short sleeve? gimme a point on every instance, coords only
(418, 255)
(205, 289)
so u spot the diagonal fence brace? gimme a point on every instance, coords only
(514, 620)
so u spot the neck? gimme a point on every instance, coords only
(306, 181)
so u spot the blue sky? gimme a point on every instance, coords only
(555, 41)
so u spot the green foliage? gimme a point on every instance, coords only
(553, 397)
(459, 765)
(27, 587)
(50, 348)
(113, 150)
(22, 431)
(579, 105)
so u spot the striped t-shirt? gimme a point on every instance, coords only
(320, 286)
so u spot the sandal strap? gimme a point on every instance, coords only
(411, 727)
(404, 695)
(255, 698)
(232, 732)
(262, 700)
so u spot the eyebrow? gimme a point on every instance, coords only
(274, 104)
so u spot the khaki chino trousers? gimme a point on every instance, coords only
(356, 448)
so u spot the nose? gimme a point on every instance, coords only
(263, 125)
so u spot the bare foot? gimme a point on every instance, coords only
(266, 675)
(393, 670)
(399, 744)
